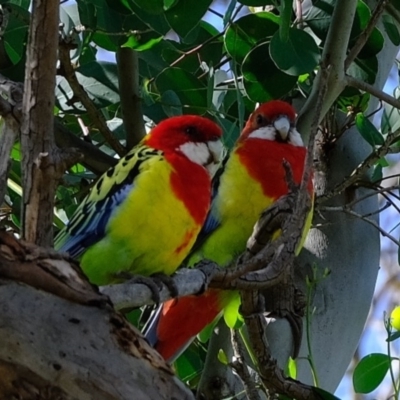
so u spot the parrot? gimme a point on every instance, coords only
(143, 215)
(252, 179)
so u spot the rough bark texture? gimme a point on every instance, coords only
(60, 339)
(40, 156)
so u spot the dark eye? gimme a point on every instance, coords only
(191, 131)
(261, 120)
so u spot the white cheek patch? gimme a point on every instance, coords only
(269, 133)
(295, 138)
(265, 132)
(199, 153)
(216, 149)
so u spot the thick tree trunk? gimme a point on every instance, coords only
(61, 339)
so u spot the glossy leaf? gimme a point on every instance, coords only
(150, 6)
(391, 116)
(191, 92)
(323, 394)
(391, 29)
(284, 25)
(21, 3)
(249, 30)
(368, 130)
(16, 32)
(370, 371)
(263, 81)
(185, 15)
(134, 42)
(171, 103)
(256, 3)
(364, 70)
(297, 55)
(99, 79)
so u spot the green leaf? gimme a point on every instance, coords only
(100, 81)
(393, 336)
(134, 42)
(190, 364)
(292, 368)
(368, 130)
(391, 29)
(323, 394)
(256, 3)
(222, 358)
(21, 3)
(171, 103)
(297, 55)
(229, 11)
(377, 175)
(191, 92)
(365, 69)
(249, 30)
(232, 316)
(391, 116)
(151, 6)
(259, 85)
(16, 32)
(370, 371)
(284, 25)
(185, 15)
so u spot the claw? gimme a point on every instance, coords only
(160, 279)
(208, 268)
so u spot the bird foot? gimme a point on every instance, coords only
(209, 269)
(154, 285)
(168, 281)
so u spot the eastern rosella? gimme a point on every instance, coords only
(253, 179)
(143, 215)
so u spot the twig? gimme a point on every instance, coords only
(379, 94)
(239, 365)
(366, 33)
(131, 102)
(94, 159)
(271, 375)
(95, 116)
(361, 169)
(364, 218)
(197, 48)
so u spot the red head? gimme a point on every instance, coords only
(173, 132)
(274, 120)
(194, 137)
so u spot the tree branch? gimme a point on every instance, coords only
(129, 90)
(334, 55)
(68, 356)
(361, 169)
(241, 368)
(11, 105)
(379, 94)
(95, 116)
(41, 160)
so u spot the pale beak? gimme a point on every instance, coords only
(217, 152)
(282, 125)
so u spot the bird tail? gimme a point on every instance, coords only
(175, 324)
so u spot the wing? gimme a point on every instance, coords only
(88, 224)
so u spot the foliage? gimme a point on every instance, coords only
(187, 65)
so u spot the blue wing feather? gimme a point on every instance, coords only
(88, 224)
